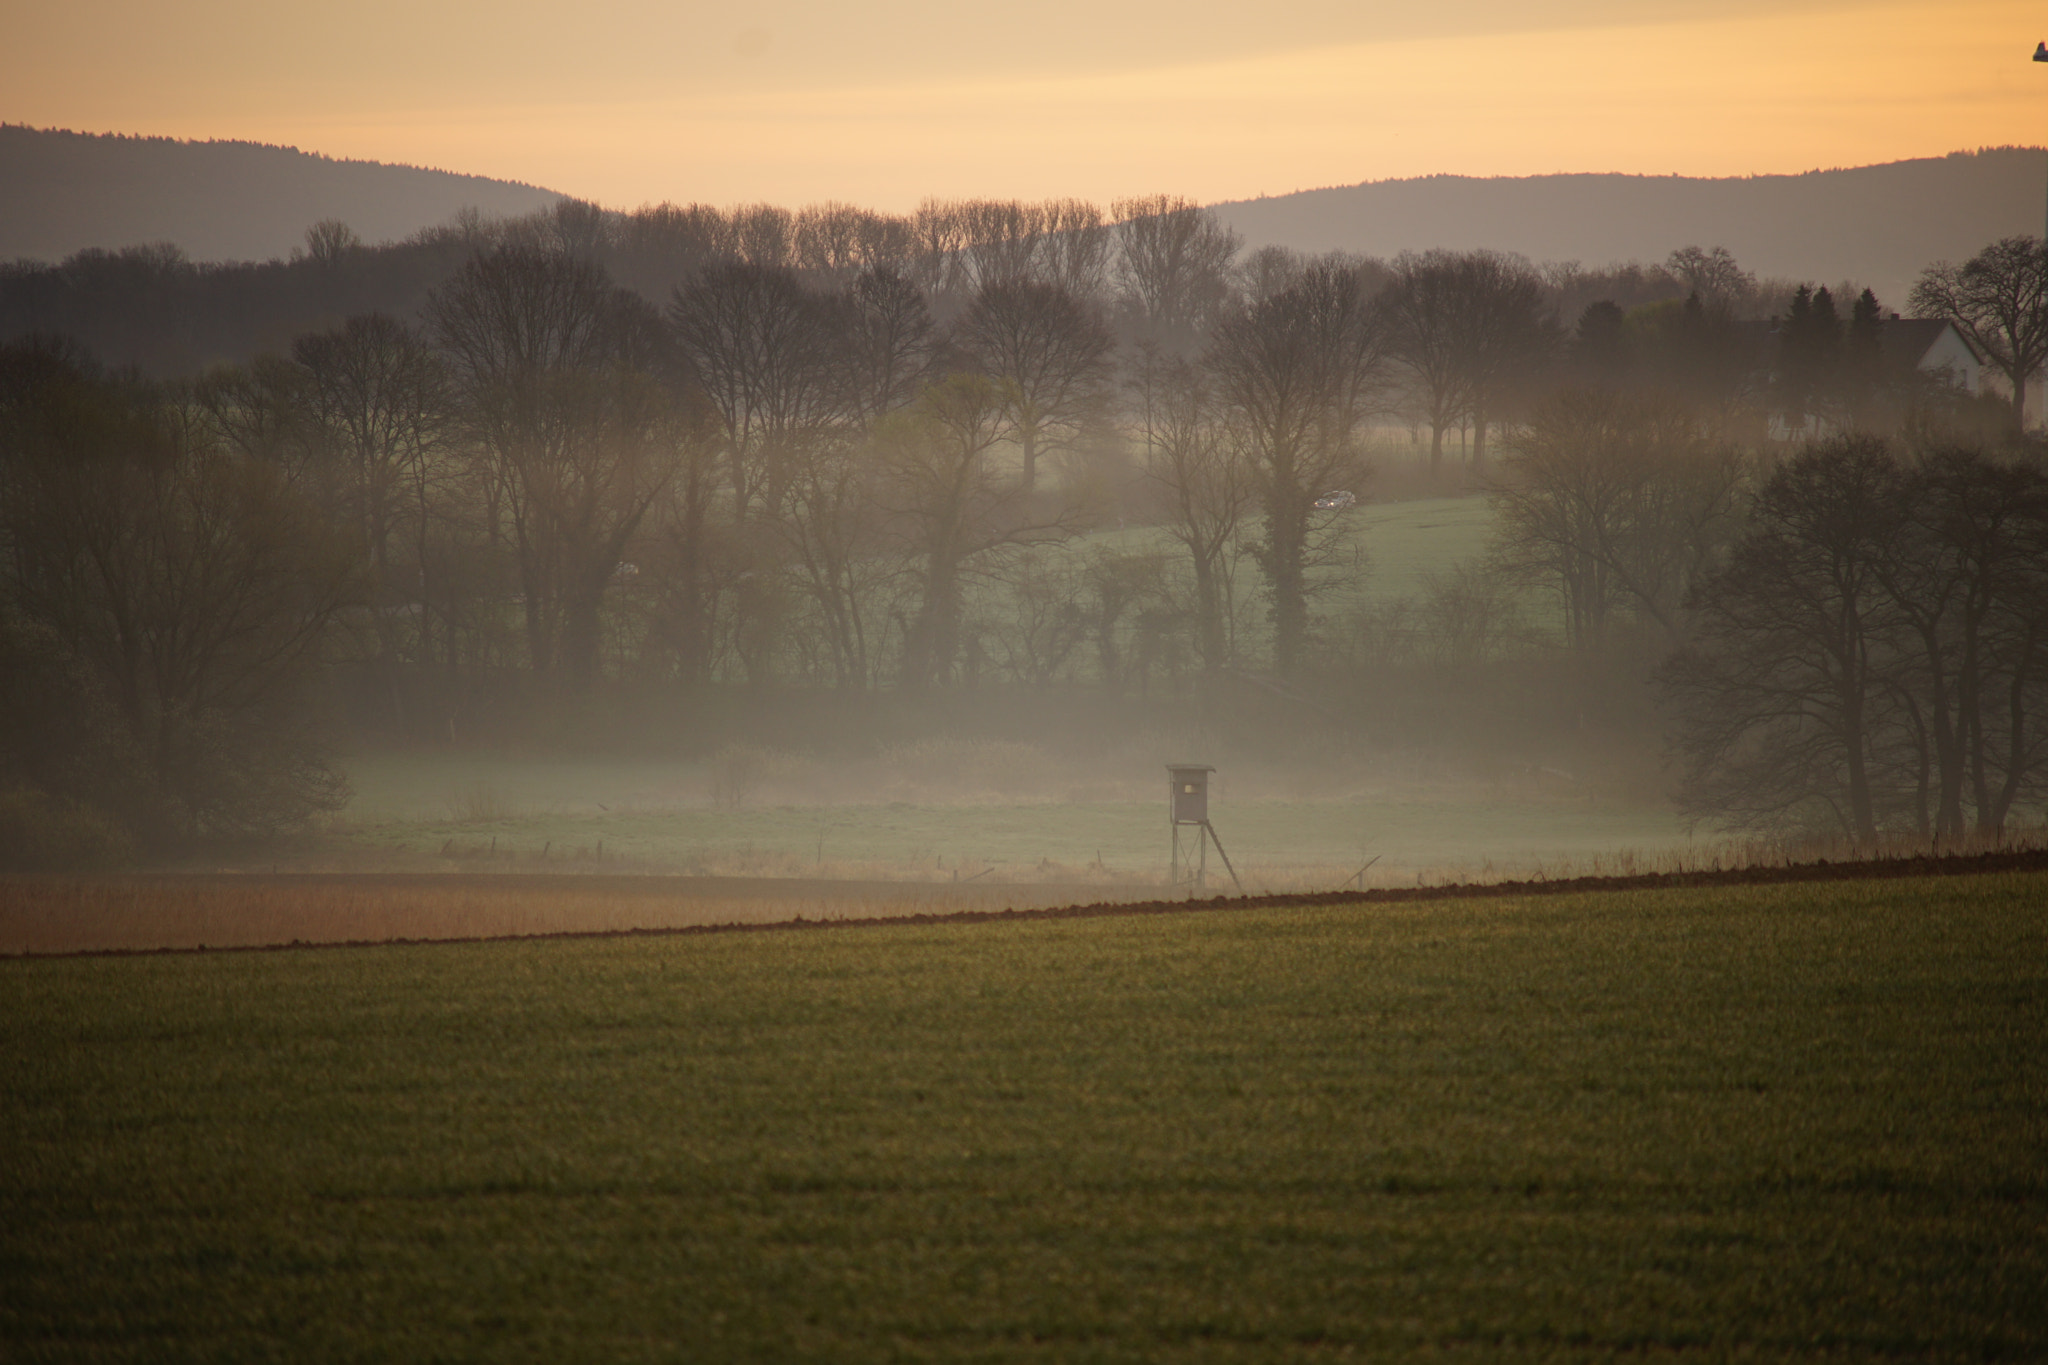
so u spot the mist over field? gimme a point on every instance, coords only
(1448, 768)
(824, 543)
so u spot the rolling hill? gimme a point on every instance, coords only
(1879, 225)
(61, 192)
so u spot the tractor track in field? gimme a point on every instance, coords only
(1823, 870)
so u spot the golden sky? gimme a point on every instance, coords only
(633, 101)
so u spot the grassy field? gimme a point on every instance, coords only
(1015, 811)
(1399, 546)
(1406, 540)
(507, 812)
(1409, 541)
(1775, 1123)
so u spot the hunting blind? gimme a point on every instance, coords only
(1187, 797)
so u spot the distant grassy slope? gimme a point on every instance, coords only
(1408, 541)
(1402, 544)
(61, 192)
(1770, 1124)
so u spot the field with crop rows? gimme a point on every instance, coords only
(1765, 1123)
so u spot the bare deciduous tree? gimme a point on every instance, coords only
(764, 235)
(1781, 699)
(1076, 247)
(1468, 327)
(1298, 372)
(660, 247)
(952, 509)
(834, 243)
(330, 239)
(262, 411)
(767, 352)
(1051, 354)
(1614, 499)
(1203, 468)
(379, 396)
(1967, 574)
(557, 373)
(891, 344)
(1173, 265)
(1713, 274)
(185, 589)
(1998, 300)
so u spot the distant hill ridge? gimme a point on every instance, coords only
(1880, 225)
(62, 192)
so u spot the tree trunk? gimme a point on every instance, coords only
(1285, 536)
(582, 615)
(1209, 633)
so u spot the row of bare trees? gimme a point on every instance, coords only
(765, 471)
(763, 464)
(794, 474)
(1162, 266)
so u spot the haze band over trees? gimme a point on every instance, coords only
(996, 445)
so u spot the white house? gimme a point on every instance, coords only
(1929, 347)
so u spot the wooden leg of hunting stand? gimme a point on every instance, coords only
(1226, 857)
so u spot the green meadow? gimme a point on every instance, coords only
(491, 811)
(1772, 1123)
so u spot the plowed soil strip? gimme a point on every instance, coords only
(118, 915)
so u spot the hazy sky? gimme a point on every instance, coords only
(631, 101)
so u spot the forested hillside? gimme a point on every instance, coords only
(1877, 225)
(64, 192)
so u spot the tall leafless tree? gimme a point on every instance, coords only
(1713, 274)
(1782, 699)
(767, 351)
(559, 382)
(1615, 500)
(660, 247)
(184, 589)
(1967, 573)
(1052, 356)
(1173, 266)
(263, 411)
(380, 397)
(891, 345)
(764, 235)
(1998, 300)
(953, 509)
(1201, 465)
(1298, 373)
(1467, 327)
(834, 243)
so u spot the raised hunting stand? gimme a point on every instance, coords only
(1187, 797)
